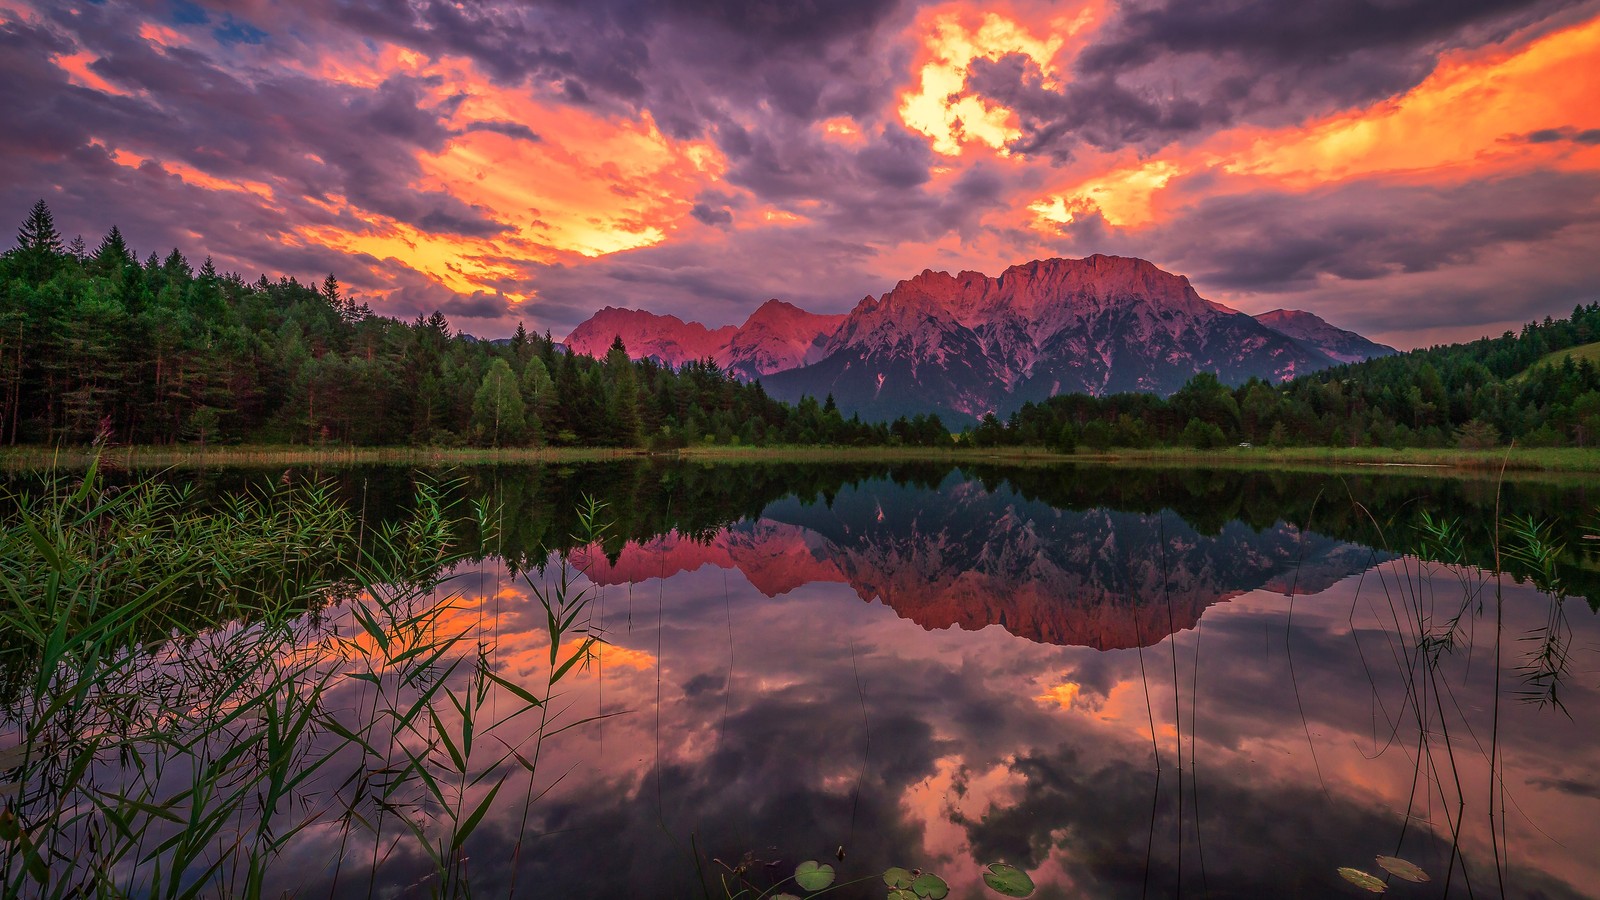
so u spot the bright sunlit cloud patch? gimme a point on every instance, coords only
(938, 108)
(1124, 197)
(1459, 117)
(1463, 121)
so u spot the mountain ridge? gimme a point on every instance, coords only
(968, 344)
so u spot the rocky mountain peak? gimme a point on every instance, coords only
(966, 344)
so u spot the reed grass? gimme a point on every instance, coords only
(182, 704)
(1516, 460)
(33, 459)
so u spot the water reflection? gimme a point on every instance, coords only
(958, 554)
(1131, 684)
(1122, 731)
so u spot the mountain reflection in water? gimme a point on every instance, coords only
(1153, 716)
(1130, 683)
(960, 555)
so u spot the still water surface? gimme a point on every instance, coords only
(1128, 683)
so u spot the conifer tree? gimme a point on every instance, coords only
(39, 243)
(623, 397)
(113, 256)
(38, 233)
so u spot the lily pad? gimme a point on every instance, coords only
(1362, 880)
(1399, 868)
(812, 875)
(1008, 880)
(896, 877)
(930, 886)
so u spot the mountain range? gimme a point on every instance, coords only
(967, 557)
(967, 344)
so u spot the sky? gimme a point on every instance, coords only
(1417, 170)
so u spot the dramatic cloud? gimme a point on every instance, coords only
(532, 161)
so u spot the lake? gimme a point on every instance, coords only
(1123, 682)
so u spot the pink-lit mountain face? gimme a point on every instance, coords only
(967, 344)
(967, 557)
(1312, 331)
(776, 337)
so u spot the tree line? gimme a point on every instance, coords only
(1474, 395)
(96, 345)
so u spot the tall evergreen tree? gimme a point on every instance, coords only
(39, 243)
(38, 233)
(623, 397)
(113, 255)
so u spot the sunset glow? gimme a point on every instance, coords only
(699, 165)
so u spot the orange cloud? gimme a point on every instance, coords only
(1123, 196)
(190, 175)
(1458, 117)
(78, 72)
(161, 35)
(1456, 122)
(581, 184)
(937, 106)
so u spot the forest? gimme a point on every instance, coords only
(97, 346)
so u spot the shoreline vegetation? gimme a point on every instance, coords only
(100, 349)
(1453, 462)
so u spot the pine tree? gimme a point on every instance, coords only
(624, 396)
(39, 243)
(175, 265)
(38, 233)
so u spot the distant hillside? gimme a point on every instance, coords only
(1581, 353)
(1539, 387)
(1314, 332)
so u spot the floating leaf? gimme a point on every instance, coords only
(812, 875)
(930, 886)
(1008, 880)
(1362, 880)
(1399, 868)
(902, 894)
(897, 877)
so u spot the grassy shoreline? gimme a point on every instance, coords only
(1414, 461)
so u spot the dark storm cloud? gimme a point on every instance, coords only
(1587, 137)
(183, 106)
(1366, 230)
(700, 68)
(509, 129)
(1264, 241)
(1162, 70)
(709, 215)
(1566, 786)
(678, 59)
